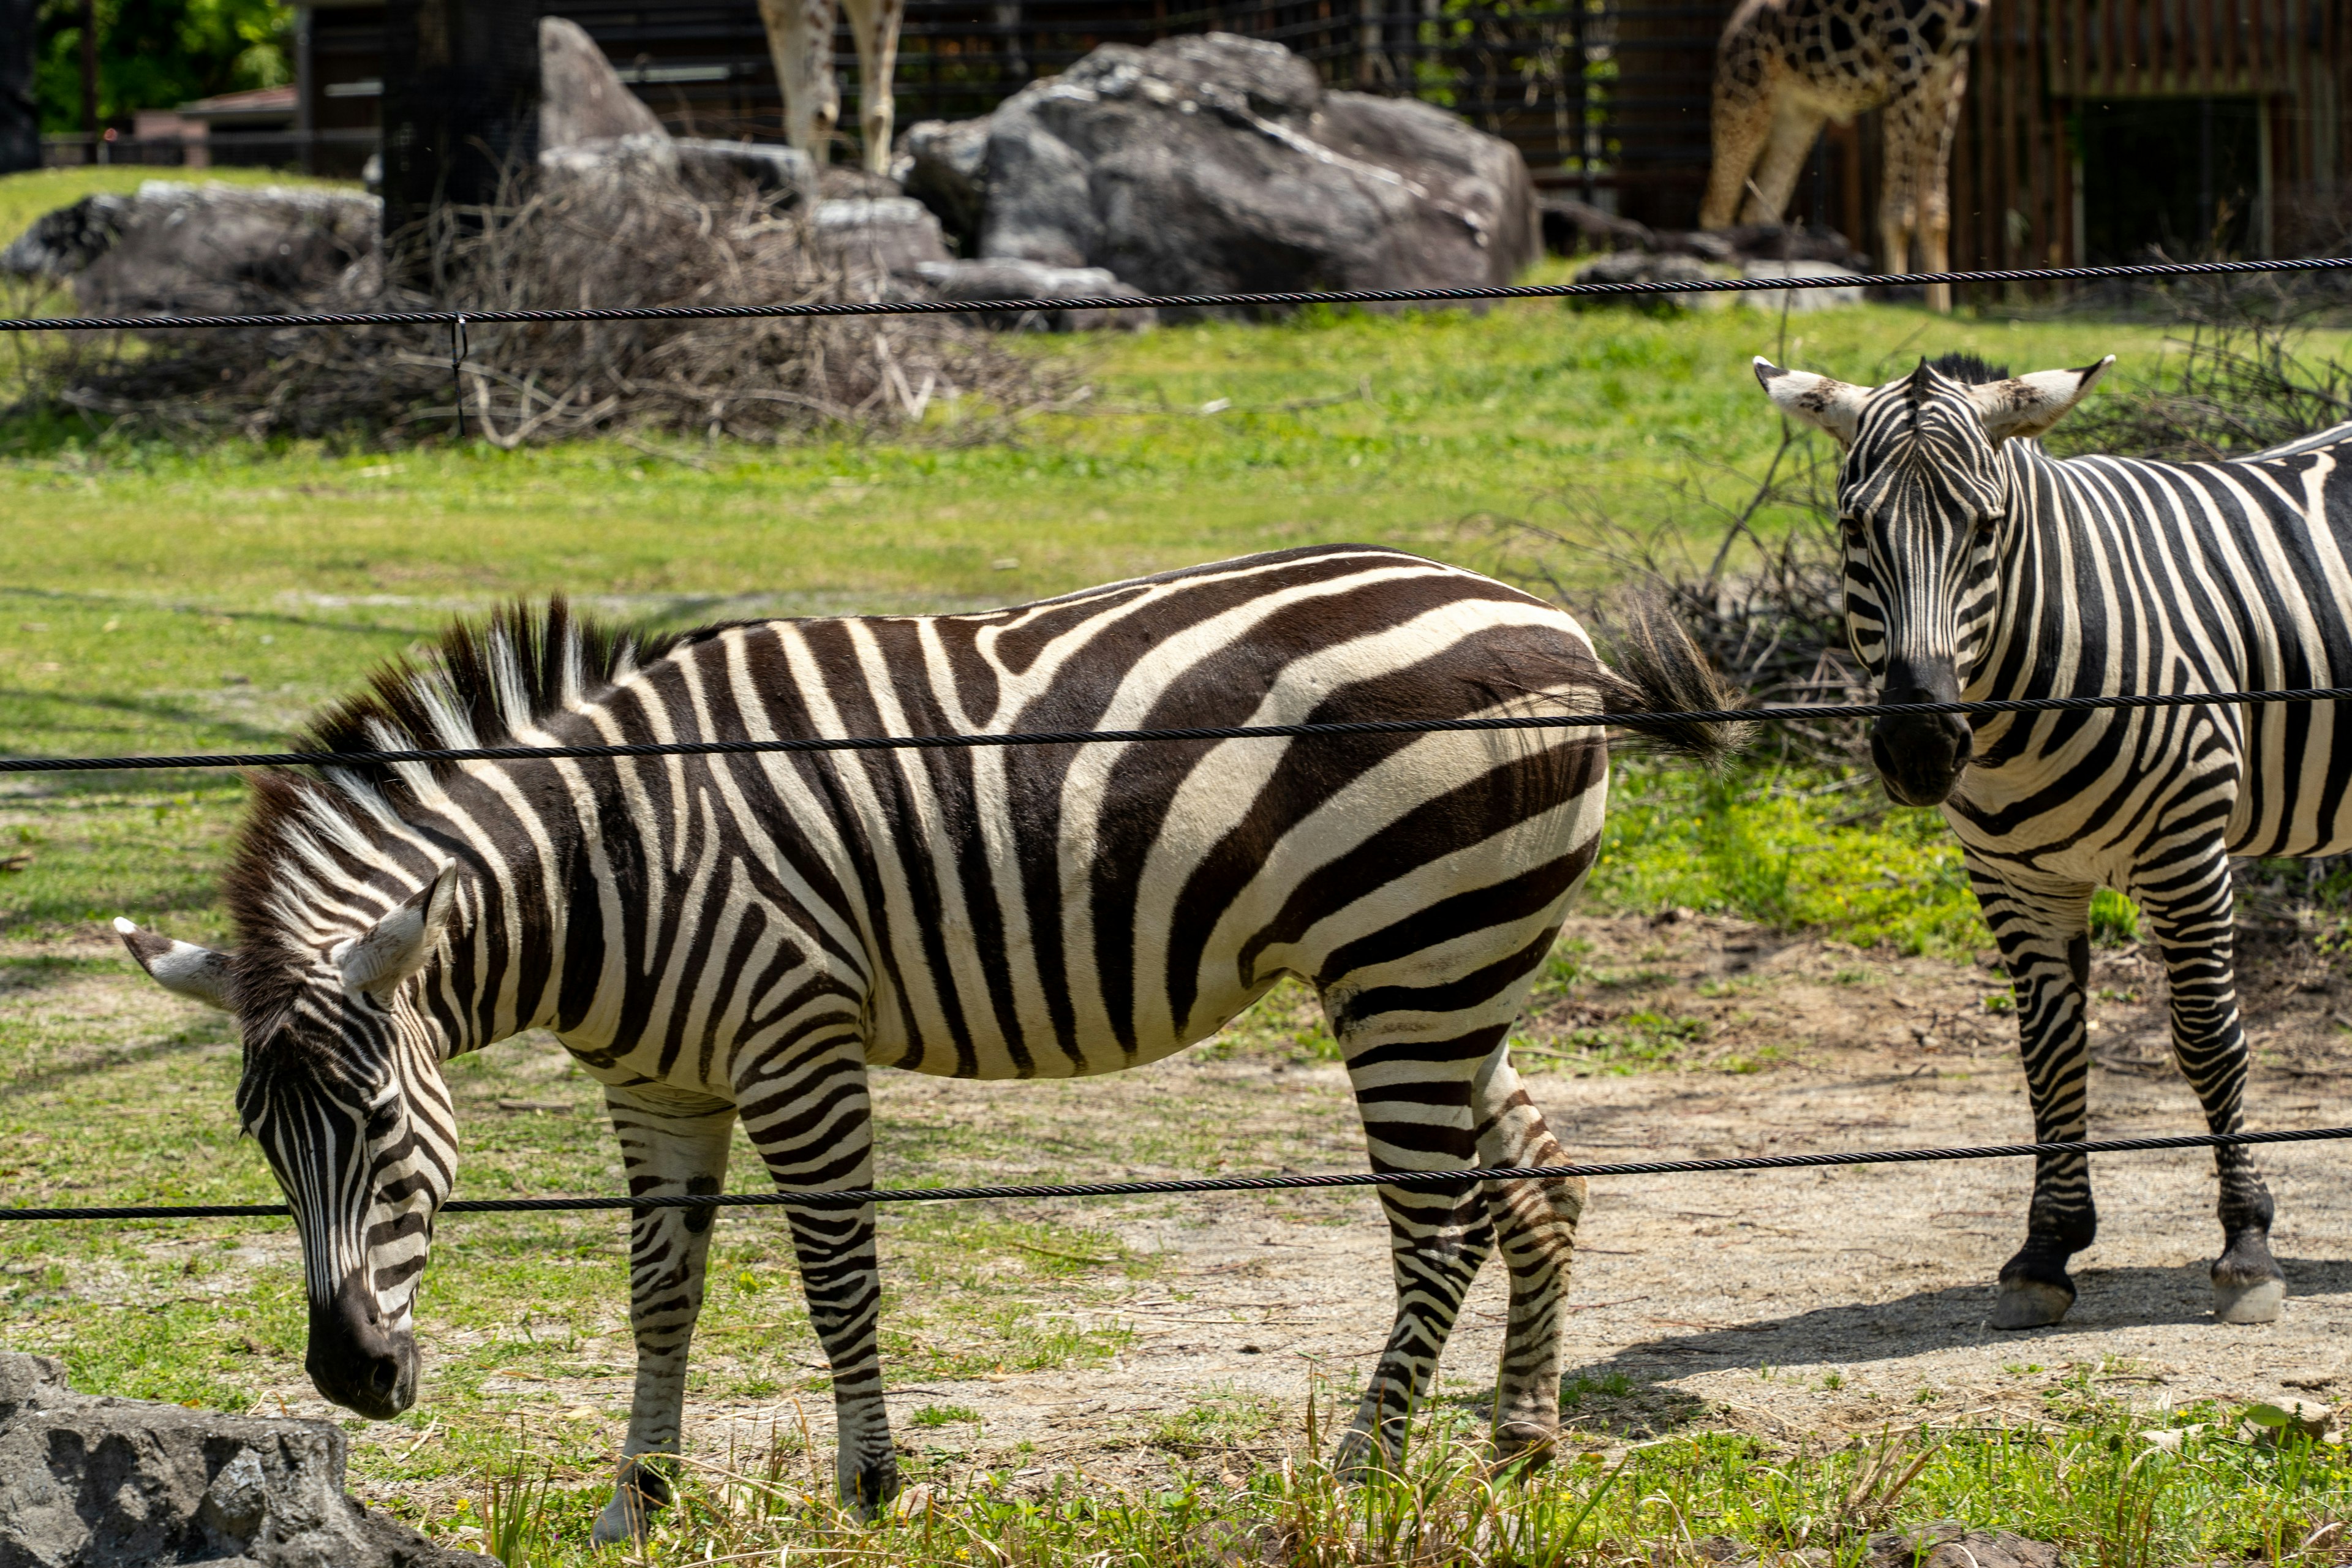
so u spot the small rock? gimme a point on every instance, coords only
(1799, 301)
(983, 281)
(1636, 266)
(2311, 1380)
(1948, 1544)
(771, 169)
(2303, 1419)
(1570, 226)
(879, 234)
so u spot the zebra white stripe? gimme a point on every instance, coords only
(1978, 566)
(724, 937)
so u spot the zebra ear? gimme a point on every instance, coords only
(1814, 400)
(396, 946)
(2028, 404)
(181, 966)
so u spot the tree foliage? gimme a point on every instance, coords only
(159, 54)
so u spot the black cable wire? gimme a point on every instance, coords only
(1440, 1179)
(1203, 732)
(1173, 301)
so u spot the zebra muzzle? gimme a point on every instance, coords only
(356, 1358)
(1920, 757)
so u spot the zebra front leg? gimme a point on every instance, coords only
(1415, 1097)
(2192, 918)
(2045, 944)
(811, 1116)
(1535, 1222)
(672, 1143)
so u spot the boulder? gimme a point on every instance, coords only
(982, 282)
(580, 98)
(891, 235)
(943, 163)
(123, 1483)
(200, 249)
(1216, 163)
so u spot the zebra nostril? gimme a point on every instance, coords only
(384, 1375)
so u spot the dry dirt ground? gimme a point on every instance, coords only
(1820, 1301)
(1809, 1301)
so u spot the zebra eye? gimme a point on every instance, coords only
(382, 1120)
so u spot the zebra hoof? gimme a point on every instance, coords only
(2030, 1304)
(1524, 1445)
(638, 1490)
(2259, 1301)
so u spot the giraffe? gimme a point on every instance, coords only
(799, 37)
(1785, 67)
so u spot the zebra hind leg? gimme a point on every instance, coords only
(672, 1143)
(1416, 1098)
(811, 1116)
(1536, 1226)
(2194, 930)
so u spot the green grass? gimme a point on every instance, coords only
(2108, 1487)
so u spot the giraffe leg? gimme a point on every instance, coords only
(1743, 124)
(672, 1143)
(2043, 933)
(808, 1113)
(800, 37)
(2190, 907)
(1536, 1226)
(1911, 123)
(873, 26)
(1934, 181)
(1795, 128)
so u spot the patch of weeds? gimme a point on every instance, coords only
(1223, 1419)
(2115, 920)
(945, 1415)
(1787, 858)
(1635, 1043)
(2001, 1002)
(1608, 1385)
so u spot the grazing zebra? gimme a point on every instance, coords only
(1978, 566)
(715, 937)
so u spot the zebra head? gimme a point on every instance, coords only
(342, 1090)
(1926, 496)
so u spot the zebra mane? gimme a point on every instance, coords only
(485, 683)
(1967, 369)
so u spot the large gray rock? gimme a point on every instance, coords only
(200, 249)
(123, 1483)
(993, 282)
(580, 98)
(1217, 163)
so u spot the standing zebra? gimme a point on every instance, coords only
(1978, 566)
(724, 936)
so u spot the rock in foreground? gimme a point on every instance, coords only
(125, 1483)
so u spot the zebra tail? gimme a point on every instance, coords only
(1654, 667)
